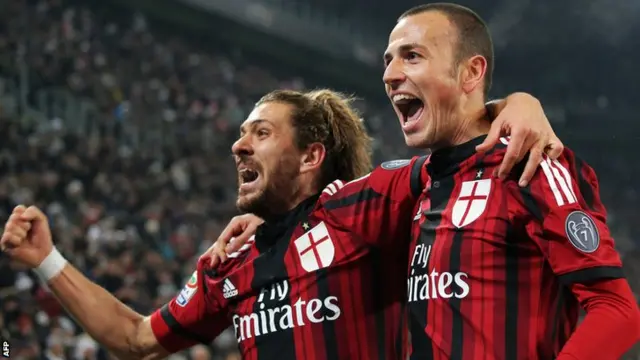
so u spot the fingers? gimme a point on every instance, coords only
(228, 234)
(492, 138)
(514, 152)
(239, 231)
(239, 240)
(212, 255)
(218, 252)
(16, 230)
(555, 148)
(214, 260)
(535, 158)
(232, 238)
(18, 210)
(10, 241)
(32, 213)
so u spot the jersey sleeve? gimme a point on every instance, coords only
(189, 318)
(563, 214)
(378, 206)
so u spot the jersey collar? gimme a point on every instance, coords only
(446, 161)
(278, 227)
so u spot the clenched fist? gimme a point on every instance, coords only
(27, 237)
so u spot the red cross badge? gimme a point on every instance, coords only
(471, 202)
(315, 248)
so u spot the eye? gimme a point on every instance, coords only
(412, 55)
(262, 133)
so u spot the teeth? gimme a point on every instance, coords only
(401, 97)
(248, 175)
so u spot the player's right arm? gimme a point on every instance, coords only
(124, 332)
(185, 321)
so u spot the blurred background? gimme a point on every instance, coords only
(117, 118)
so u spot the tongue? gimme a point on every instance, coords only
(414, 110)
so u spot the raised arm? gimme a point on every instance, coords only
(124, 332)
(188, 319)
(127, 334)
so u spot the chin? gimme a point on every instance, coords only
(418, 140)
(250, 203)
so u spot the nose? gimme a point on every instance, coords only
(394, 74)
(242, 146)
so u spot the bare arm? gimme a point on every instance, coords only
(127, 334)
(124, 332)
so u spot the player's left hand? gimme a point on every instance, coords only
(236, 234)
(521, 116)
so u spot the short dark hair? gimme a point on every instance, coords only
(327, 117)
(473, 34)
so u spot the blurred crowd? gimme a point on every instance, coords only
(141, 183)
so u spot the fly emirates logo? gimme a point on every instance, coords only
(423, 285)
(279, 317)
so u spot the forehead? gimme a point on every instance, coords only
(428, 29)
(275, 113)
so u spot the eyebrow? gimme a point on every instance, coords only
(404, 48)
(253, 124)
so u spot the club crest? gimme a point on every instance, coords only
(471, 202)
(315, 248)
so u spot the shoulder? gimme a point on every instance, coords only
(388, 170)
(565, 182)
(395, 164)
(391, 179)
(567, 163)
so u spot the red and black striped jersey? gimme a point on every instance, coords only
(491, 264)
(326, 281)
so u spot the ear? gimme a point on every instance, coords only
(473, 73)
(312, 157)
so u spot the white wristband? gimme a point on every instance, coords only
(51, 266)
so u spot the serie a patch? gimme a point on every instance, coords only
(188, 291)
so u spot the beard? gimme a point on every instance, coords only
(276, 196)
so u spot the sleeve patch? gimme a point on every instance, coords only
(395, 164)
(582, 232)
(188, 291)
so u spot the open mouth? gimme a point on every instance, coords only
(409, 106)
(248, 176)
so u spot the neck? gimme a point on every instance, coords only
(303, 191)
(300, 197)
(307, 187)
(472, 121)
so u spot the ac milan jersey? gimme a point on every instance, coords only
(326, 281)
(491, 264)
